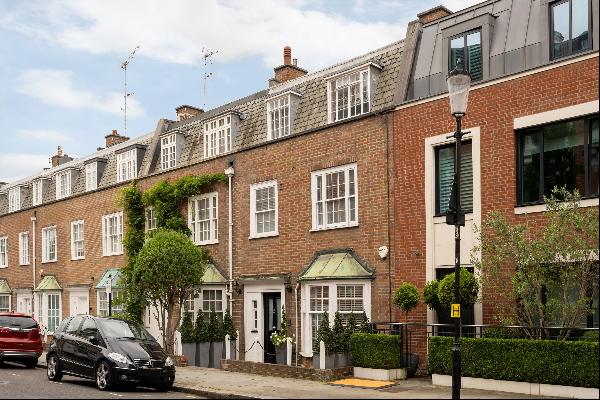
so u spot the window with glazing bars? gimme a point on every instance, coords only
(63, 185)
(278, 113)
(335, 197)
(37, 192)
(263, 209)
(127, 165)
(14, 199)
(203, 218)
(349, 95)
(319, 304)
(212, 299)
(24, 248)
(91, 176)
(168, 151)
(49, 244)
(3, 252)
(77, 240)
(112, 232)
(217, 136)
(349, 300)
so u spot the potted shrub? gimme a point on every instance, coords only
(279, 339)
(430, 295)
(188, 338)
(364, 326)
(202, 342)
(338, 338)
(406, 297)
(350, 329)
(215, 334)
(229, 329)
(324, 334)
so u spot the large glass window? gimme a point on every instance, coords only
(560, 154)
(49, 244)
(278, 114)
(203, 217)
(263, 209)
(63, 185)
(444, 175)
(127, 165)
(168, 151)
(53, 311)
(112, 234)
(349, 95)
(212, 299)
(466, 50)
(334, 197)
(217, 136)
(569, 27)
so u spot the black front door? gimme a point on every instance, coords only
(272, 322)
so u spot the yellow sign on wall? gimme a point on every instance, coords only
(455, 311)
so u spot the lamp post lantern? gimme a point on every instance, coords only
(459, 82)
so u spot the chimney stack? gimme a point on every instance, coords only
(433, 15)
(114, 138)
(59, 158)
(289, 70)
(185, 112)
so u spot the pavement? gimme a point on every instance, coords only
(216, 383)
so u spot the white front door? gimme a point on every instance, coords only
(24, 303)
(79, 301)
(253, 326)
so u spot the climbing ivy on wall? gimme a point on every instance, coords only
(167, 199)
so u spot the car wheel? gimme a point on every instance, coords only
(31, 363)
(165, 387)
(53, 370)
(103, 376)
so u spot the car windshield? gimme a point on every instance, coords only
(114, 328)
(9, 321)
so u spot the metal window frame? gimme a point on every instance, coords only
(551, 29)
(436, 150)
(465, 54)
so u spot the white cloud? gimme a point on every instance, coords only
(55, 87)
(15, 166)
(41, 134)
(176, 32)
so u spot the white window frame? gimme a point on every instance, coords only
(112, 234)
(168, 151)
(37, 192)
(78, 240)
(47, 245)
(218, 136)
(63, 184)
(3, 251)
(9, 297)
(102, 302)
(14, 199)
(42, 310)
(253, 213)
(321, 190)
(213, 218)
(150, 219)
(91, 176)
(342, 83)
(279, 122)
(332, 305)
(24, 248)
(127, 165)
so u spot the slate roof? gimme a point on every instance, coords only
(252, 130)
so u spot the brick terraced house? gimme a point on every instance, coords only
(329, 171)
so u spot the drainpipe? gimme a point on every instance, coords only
(296, 307)
(33, 221)
(229, 172)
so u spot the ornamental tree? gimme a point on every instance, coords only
(166, 270)
(547, 268)
(469, 289)
(406, 297)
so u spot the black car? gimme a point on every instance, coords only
(110, 351)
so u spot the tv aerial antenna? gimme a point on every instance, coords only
(126, 94)
(207, 58)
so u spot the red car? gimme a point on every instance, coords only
(20, 339)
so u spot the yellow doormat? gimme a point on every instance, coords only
(364, 383)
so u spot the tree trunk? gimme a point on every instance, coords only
(173, 317)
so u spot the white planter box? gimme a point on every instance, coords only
(380, 374)
(534, 389)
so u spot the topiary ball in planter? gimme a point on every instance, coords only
(469, 289)
(430, 294)
(406, 297)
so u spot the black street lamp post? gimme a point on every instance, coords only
(109, 293)
(459, 81)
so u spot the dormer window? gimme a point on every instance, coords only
(219, 134)
(349, 95)
(281, 111)
(38, 192)
(63, 185)
(91, 176)
(168, 151)
(14, 199)
(127, 165)
(466, 49)
(569, 27)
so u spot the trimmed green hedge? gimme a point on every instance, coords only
(556, 362)
(372, 350)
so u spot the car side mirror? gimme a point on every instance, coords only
(93, 340)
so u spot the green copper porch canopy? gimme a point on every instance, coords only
(49, 282)
(339, 264)
(212, 276)
(4, 288)
(115, 273)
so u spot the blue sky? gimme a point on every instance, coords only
(60, 61)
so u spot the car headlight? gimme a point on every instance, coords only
(169, 362)
(118, 357)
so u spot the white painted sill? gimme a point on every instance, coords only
(49, 261)
(542, 207)
(207, 242)
(264, 235)
(353, 225)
